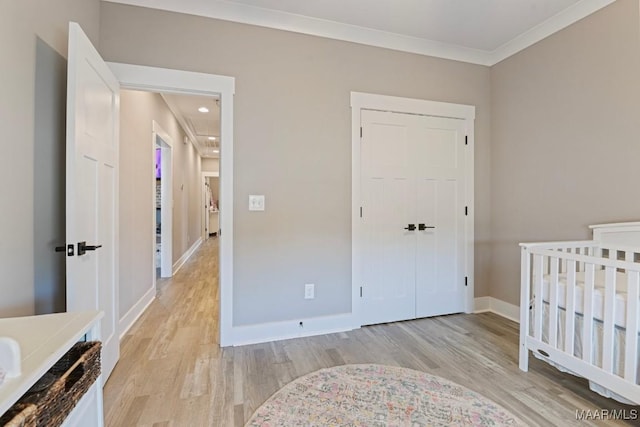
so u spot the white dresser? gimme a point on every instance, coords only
(43, 341)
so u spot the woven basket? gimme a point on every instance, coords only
(20, 415)
(60, 389)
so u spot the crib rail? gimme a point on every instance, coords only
(544, 265)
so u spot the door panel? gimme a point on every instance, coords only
(92, 189)
(388, 205)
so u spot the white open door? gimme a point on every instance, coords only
(92, 190)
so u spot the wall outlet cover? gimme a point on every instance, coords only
(309, 291)
(256, 202)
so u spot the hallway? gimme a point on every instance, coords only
(171, 366)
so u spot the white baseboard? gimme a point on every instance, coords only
(127, 321)
(275, 331)
(499, 307)
(185, 256)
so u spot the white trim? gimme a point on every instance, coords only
(286, 21)
(206, 175)
(166, 231)
(367, 101)
(274, 331)
(185, 256)
(127, 321)
(551, 26)
(187, 82)
(499, 307)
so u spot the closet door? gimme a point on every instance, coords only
(412, 182)
(388, 188)
(439, 171)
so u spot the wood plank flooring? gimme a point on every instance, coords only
(172, 371)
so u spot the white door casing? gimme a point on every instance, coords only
(164, 80)
(92, 190)
(436, 188)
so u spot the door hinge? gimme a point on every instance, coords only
(360, 291)
(466, 210)
(466, 140)
(360, 211)
(360, 131)
(466, 281)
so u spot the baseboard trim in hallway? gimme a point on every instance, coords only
(185, 257)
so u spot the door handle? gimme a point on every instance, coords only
(410, 227)
(83, 248)
(423, 227)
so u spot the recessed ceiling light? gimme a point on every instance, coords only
(203, 109)
(211, 138)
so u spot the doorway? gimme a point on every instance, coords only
(162, 190)
(412, 227)
(138, 77)
(211, 205)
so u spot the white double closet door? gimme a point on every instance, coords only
(413, 216)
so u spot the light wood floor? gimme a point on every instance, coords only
(173, 373)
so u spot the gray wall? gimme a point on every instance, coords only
(137, 163)
(565, 138)
(293, 143)
(21, 23)
(49, 180)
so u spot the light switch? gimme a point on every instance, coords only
(256, 202)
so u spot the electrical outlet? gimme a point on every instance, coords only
(309, 291)
(256, 202)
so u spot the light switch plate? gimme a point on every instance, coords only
(256, 202)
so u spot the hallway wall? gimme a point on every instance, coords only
(137, 180)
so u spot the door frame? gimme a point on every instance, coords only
(206, 175)
(138, 77)
(367, 101)
(166, 185)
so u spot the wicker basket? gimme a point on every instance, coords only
(20, 415)
(60, 389)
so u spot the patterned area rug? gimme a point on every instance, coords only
(376, 395)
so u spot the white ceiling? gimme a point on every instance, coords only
(200, 127)
(478, 31)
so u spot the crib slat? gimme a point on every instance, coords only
(587, 327)
(563, 261)
(631, 340)
(609, 316)
(570, 307)
(538, 277)
(553, 302)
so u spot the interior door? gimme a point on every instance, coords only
(440, 180)
(92, 190)
(412, 184)
(388, 190)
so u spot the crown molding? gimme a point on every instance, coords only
(543, 30)
(235, 12)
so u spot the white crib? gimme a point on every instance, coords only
(580, 308)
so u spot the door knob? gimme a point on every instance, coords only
(423, 227)
(410, 227)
